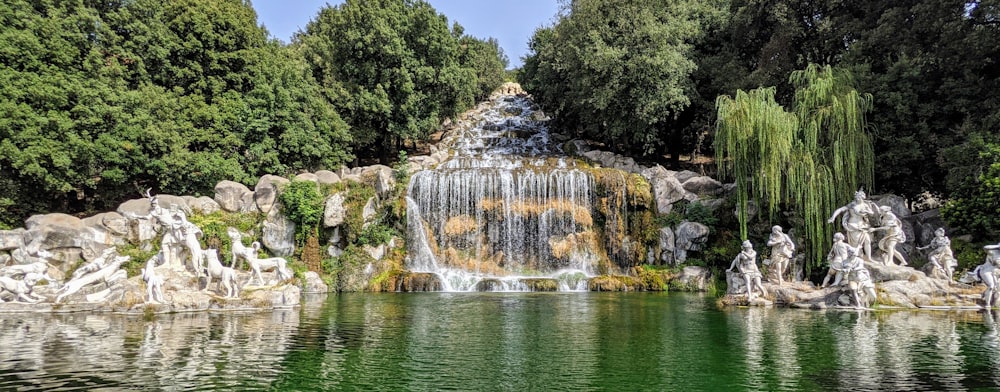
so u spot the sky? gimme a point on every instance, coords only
(512, 22)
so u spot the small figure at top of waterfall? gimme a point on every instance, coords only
(894, 235)
(941, 256)
(857, 222)
(178, 235)
(859, 279)
(746, 263)
(837, 256)
(782, 249)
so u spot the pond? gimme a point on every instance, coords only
(504, 341)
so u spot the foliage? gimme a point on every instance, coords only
(302, 203)
(618, 71)
(697, 212)
(976, 203)
(805, 160)
(101, 99)
(393, 68)
(214, 228)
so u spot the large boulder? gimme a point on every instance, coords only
(314, 284)
(689, 236)
(666, 189)
(12, 239)
(141, 228)
(326, 177)
(108, 228)
(884, 273)
(202, 205)
(278, 234)
(334, 213)
(702, 186)
(369, 211)
(266, 191)
(231, 195)
(307, 177)
(693, 278)
(667, 245)
(381, 178)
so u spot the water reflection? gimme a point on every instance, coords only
(502, 341)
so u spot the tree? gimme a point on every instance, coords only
(618, 71)
(807, 159)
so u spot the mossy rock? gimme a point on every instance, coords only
(615, 283)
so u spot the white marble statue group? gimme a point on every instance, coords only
(851, 249)
(179, 245)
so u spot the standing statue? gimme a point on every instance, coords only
(837, 256)
(941, 256)
(746, 263)
(894, 235)
(859, 279)
(857, 222)
(154, 282)
(782, 249)
(986, 273)
(178, 235)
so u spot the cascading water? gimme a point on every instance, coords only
(507, 212)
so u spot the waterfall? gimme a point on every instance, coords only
(507, 212)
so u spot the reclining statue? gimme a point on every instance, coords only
(106, 274)
(21, 289)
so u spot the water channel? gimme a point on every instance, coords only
(504, 341)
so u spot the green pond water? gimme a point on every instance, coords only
(504, 342)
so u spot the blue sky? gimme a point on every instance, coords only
(510, 21)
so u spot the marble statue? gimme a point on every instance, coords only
(96, 264)
(179, 235)
(782, 249)
(746, 263)
(857, 222)
(154, 282)
(837, 256)
(38, 267)
(21, 289)
(107, 273)
(249, 254)
(941, 256)
(986, 273)
(894, 235)
(859, 279)
(225, 275)
(240, 251)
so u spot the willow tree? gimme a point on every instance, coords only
(806, 160)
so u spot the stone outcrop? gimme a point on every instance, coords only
(230, 195)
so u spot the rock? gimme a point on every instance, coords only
(382, 179)
(288, 296)
(897, 203)
(230, 195)
(314, 284)
(369, 211)
(666, 189)
(377, 252)
(141, 228)
(307, 177)
(12, 239)
(334, 213)
(326, 177)
(667, 245)
(884, 273)
(4, 258)
(112, 222)
(247, 204)
(693, 278)
(576, 147)
(685, 175)
(351, 177)
(702, 186)
(278, 234)
(203, 205)
(612, 160)
(689, 236)
(266, 191)
(54, 220)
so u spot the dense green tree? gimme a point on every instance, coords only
(487, 60)
(392, 68)
(101, 99)
(618, 71)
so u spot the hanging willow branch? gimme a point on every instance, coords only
(806, 159)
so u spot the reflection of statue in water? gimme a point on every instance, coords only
(178, 235)
(856, 222)
(782, 249)
(859, 279)
(894, 235)
(941, 256)
(837, 256)
(746, 263)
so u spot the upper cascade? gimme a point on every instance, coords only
(507, 208)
